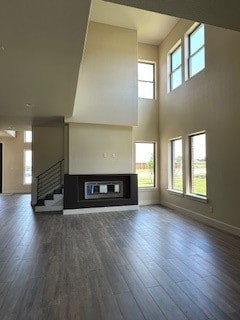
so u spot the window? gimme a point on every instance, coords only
(198, 164)
(27, 167)
(175, 72)
(196, 51)
(28, 136)
(145, 164)
(146, 80)
(176, 165)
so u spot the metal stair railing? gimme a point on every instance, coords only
(50, 179)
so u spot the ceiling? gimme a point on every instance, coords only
(151, 27)
(42, 42)
(221, 13)
(41, 45)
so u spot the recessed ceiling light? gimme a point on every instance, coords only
(29, 105)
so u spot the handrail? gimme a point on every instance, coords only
(50, 179)
(50, 168)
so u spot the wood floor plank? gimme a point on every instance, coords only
(129, 307)
(167, 305)
(188, 306)
(151, 264)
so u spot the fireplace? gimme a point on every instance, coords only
(100, 190)
(103, 189)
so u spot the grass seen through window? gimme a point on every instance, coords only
(145, 164)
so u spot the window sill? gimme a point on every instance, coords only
(145, 189)
(175, 192)
(196, 197)
(151, 99)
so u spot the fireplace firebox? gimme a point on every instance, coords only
(100, 190)
(103, 189)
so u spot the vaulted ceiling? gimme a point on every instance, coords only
(42, 43)
(221, 13)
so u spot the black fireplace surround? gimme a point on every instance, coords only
(75, 186)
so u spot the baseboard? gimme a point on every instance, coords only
(99, 209)
(207, 220)
(148, 202)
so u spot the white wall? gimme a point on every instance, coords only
(107, 84)
(100, 149)
(47, 148)
(208, 101)
(13, 164)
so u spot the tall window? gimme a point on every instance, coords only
(198, 170)
(27, 167)
(28, 136)
(196, 49)
(176, 165)
(145, 164)
(175, 72)
(146, 80)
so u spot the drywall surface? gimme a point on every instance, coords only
(47, 148)
(13, 164)
(98, 149)
(148, 129)
(208, 101)
(107, 84)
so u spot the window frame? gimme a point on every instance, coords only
(153, 63)
(154, 187)
(190, 175)
(169, 65)
(25, 136)
(171, 162)
(188, 54)
(24, 166)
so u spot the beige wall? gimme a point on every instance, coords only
(13, 164)
(147, 129)
(47, 148)
(107, 84)
(99, 149)
(208, 101)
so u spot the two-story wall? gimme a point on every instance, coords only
(207, 101)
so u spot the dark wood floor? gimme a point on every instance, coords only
(147, 264)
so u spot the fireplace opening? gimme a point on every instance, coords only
(103, 189)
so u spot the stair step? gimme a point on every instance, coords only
(49, 196)
(40, 202)
(58, 191)
(57, 200)
(48, 209)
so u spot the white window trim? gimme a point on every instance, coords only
(174, 48)
(154, 78)
(186, 156)
(156, 181)
(187, 50)
(24, 159)
(24, 137)
(170, 163)
(188, 193)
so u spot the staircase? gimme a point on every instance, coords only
(50, 189)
